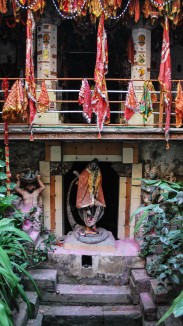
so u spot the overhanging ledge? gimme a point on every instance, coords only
(86, 132)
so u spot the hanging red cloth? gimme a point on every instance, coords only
(179, 106)
(131, 103)
(3, 6)
(100, 102)
(43, 100)
(29, 68)
(165, 77)
(85, 100)
(134, 9)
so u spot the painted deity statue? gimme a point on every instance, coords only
(90, 204)
(30, 204)
(90, 198)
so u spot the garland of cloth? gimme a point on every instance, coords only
(5, 87)
(100, 102)
(70, 9)
(165, 77)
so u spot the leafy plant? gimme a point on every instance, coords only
(163, 228)
(11, 268)
(176, 308)
(13, 257)
(39, 254)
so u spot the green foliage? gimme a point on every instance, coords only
(39, 254)
(176, 308)
(13, 256)
(163, 229)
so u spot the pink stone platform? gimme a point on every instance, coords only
(125, 248)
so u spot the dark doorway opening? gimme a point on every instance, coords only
(110, 185)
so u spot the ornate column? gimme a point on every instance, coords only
(47, 67)
(142, 65)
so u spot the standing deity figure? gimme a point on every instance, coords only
(90, 200)
(30, 205)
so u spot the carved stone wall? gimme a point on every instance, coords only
(165, 161)
(25, 154)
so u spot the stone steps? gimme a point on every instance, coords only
(139, 282)
(21, 318)
(67, 294)
(70, 294)
(46, 280)
(149, 309)
(91, 316)
(36, 322)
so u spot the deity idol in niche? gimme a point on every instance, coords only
(90, 203)
(90, 199)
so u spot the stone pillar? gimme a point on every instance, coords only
(47, 67)
(135, 193)
(52, 195)
(122, 208)
(141, 68)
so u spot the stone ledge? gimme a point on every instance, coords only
(45, 279)
(148, 307)
(88, 294)
(92, 316)
(159, 294)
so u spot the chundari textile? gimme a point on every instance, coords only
(100, 102)
(165, 76)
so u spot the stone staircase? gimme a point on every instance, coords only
(67, 304)
(135, 301)
(140, 303)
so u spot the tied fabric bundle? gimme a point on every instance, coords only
(85, 100)
(131, 103)
(100, 102)
(179, 106)
(43, 100)
(15, 105)
(146, 107)
(165, 76)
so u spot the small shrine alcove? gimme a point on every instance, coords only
(110, 185)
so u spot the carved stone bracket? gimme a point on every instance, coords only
(66, 167)
(123, 170)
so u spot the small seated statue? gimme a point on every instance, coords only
(149, 192)
(30, 204)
